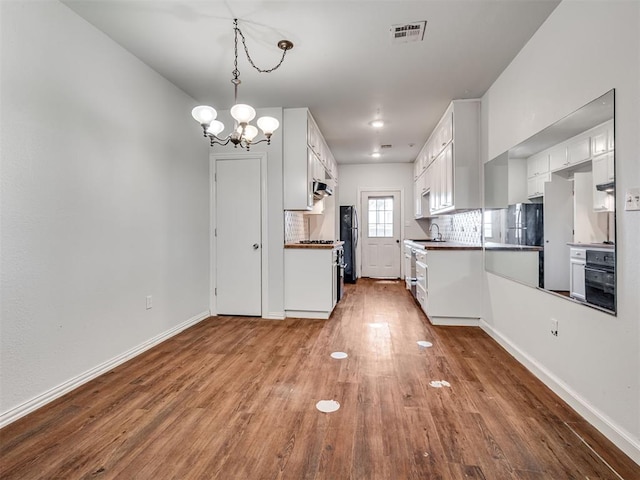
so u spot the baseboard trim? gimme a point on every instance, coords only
(274, 316)
(620, 437)
(56, 392)
(454, 321)
(307, 314)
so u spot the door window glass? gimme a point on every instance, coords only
(380, 217)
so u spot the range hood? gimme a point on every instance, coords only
(606, 187)
(321, 190)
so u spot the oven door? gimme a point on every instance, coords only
(600, 287)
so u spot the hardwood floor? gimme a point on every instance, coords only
(234, 398)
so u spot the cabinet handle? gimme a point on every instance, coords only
(256, 246)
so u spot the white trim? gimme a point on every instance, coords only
(274, 316)
(360, 191)
(620, 437)
(73, 383)
(308, 314)
(264, 227)
(454, 321)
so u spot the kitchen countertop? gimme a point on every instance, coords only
(608, 246)
(325, 246)
(508, 246)
(427, 245)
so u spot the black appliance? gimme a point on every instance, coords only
(316, 242)
(349, 235)
(340, 272)
(525, 226)
(321, 190)
(600, 278)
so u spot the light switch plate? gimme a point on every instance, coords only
(632, 199)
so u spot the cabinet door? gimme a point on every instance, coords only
(576, 274)
(557, 158)
(610, 167)
(435, 178)
(537, 164)
(578, 151)
(610, 138)
(535, 185)
(447, 180)
(599, 142)
(417, 198)
(310, 171)
(601, 200)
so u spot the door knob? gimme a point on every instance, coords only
(256, 246)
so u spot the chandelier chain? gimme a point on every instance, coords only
(246, 51)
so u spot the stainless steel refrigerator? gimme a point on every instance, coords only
(525, 226)
(349, 235)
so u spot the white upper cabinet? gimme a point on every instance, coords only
(306, 157)
(456, 140)
(450, 161)
(538, 164)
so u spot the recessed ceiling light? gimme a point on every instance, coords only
(375, 154)
(377, 123)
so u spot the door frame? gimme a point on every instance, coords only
(363, 212)
(264, 254)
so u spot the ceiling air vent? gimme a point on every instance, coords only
(386, 145)
(408, 32)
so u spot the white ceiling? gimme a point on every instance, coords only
(344, 66)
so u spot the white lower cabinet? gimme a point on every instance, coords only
(309, 282)
(576, 273)
(454, 278)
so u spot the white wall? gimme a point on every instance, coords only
(105, 200)
(381, 176)
(581, 51)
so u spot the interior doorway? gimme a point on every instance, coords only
(238, 234)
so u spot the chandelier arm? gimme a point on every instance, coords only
(219, 141)
(246, 51)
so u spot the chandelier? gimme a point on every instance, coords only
(243, 133)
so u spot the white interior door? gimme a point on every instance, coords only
(238, 237)
(558, 231)
(381, 234)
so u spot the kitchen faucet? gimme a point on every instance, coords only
(438, 234)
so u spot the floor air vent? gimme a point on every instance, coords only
(408, 32)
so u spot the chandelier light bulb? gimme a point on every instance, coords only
(268, 124)
(204, 114)
(250, 132)
(242, 113)
(215, 127)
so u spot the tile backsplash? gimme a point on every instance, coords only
(463, 227)
(295, 227)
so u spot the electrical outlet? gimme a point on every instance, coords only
(149, 302)
(554, 327)
(632, 199)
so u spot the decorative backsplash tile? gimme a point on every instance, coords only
(463, 227)
(295, 227)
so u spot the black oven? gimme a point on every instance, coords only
(600, 278)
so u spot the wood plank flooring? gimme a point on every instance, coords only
(234, 398)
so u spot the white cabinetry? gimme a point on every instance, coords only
(306, 157)
(602, 173)
(453, 296)
(537, 174)
(577, 261)
(451, 162)
(309, 282)
(535, 185)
